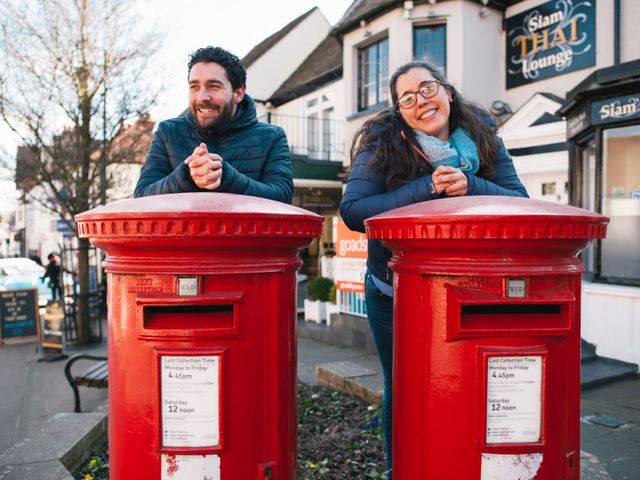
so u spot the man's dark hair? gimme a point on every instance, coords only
(236, 73)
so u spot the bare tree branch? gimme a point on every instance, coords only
(72, 74)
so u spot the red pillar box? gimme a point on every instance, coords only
(202, 346)
(486, 337)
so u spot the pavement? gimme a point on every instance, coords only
(31, 392)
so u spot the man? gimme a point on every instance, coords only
(219, 145)
(53, 272)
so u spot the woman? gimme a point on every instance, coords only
(430, 144)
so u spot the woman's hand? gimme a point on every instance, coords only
(452, 181)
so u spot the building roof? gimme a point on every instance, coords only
(264, 46)
(131, 143)
(553, 97)
(370, 9)
(322, 66)
(26, 167)
(364, 10)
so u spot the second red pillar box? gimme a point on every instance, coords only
(486, 367)
(202, 347)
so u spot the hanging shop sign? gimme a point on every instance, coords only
(577, 122)
(552, 39)
(615, 109)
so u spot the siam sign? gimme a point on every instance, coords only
(554, 38)
(615, 109)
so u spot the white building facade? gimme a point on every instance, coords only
(536, 64)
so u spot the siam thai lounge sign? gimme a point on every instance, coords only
(554, 38)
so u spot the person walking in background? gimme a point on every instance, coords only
(219, 145)
(53, 272)
(429, 144)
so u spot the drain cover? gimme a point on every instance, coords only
(604, 420)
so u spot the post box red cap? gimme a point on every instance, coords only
(203, 227)
(193, 214)
(487, 217)
(479, 233)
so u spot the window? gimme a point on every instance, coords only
(313, 134)
(621, 185)
(328, 133)
(588, 200)
(549, 188)
(618, 257)
(430, 45)
(373, 74)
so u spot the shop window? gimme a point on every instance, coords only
(621, 186)
(430, 45)
(373, 74)
(618, 258)
(588, 198)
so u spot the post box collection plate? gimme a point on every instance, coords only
(514, 388)
(190, 393)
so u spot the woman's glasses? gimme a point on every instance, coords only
(428, 90)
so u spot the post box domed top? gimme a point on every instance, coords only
(198, 214)
(487, 217)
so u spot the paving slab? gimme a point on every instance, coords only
(49, 470)
(65, 438)
(312, 353)
(32, 391)
(617, 449)
(351, 377)
(591, 468)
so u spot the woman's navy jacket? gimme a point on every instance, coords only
(366, 195)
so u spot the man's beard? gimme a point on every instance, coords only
(224, 115)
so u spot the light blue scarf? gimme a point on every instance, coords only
(459, 152)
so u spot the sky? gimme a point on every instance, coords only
(236, 25)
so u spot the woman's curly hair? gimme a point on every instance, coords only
(393, 152)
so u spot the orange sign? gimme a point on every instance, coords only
(350, 244)
(350, 286)
(350, 261)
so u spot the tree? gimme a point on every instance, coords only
(71, 73)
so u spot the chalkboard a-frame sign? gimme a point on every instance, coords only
(19, 316)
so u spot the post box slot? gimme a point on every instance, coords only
(189, 317)
(513, 317)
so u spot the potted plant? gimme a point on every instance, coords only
(332, 307)
(315, 305)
